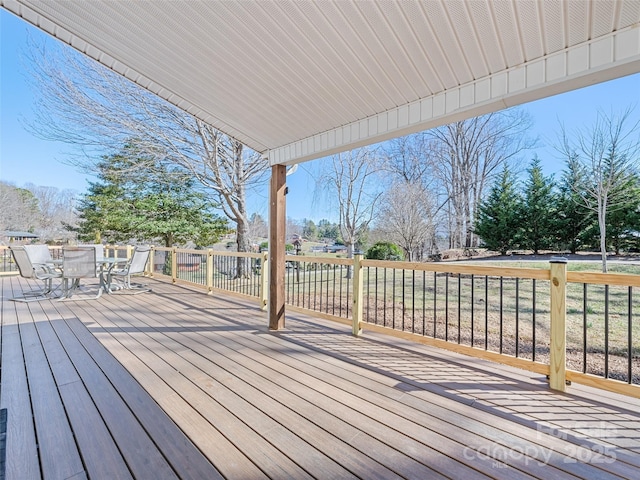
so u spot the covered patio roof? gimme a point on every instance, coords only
(298, 80)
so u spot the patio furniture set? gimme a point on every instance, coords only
(34, 262)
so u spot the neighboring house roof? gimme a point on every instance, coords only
(16, 234)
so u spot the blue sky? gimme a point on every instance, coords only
(26, 159)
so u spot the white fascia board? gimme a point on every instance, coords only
(600, 60)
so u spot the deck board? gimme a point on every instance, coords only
(184, 457)
(59, 454)
(138, 450)
(226, 375)
(176, 383)
(349, 402)
(21, 445)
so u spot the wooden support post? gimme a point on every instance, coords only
(558, 332)
(356, 312)
(264, 281)
(277, 217)
(151, 264)
(210, 271)
(174, 265)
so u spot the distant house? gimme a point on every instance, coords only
(16, 236)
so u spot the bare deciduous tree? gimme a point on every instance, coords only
(258, 228)
(57, 209)
(466, 155)
(41, 210)
(406, 218)
(82, 103)
(349, 180)
(608, 157)
(408, 158)
(18, 209)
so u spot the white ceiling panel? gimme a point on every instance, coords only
(300, 79)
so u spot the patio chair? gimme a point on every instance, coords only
(99, 250)
(120, 278)
(39, 254)
(78, 263)
(33, 271)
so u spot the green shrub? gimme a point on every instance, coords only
(384, 251)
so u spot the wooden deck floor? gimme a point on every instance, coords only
(177, 384)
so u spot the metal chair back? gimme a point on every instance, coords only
(138, 260)
(23, 262)
(79, 262)
(32, 271)
(39, 254)
(99, 250)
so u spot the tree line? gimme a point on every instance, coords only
(45, 211)
(594, 206)
(542, 213)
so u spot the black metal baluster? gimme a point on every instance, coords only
(472, 309)
(348, 281)
(393, 299)
(413, 301)
(435, 300)
(333, 307)
(584, 328)
(424, 302)
(376, 293)
(446, 307)
(321, 279)
(630, 337)
(517, 317)
(486, 312)
(459, 306)
(606, 331)
(340, 304)
(384, 298)
(368, 294)
(501, 310)
(533, 321)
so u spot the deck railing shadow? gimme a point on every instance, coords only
(471, 385)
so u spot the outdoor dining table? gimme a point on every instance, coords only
(104, 265)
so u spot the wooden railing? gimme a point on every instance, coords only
(541, 319)
(572, 326)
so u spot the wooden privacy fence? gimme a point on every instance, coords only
(572, 326)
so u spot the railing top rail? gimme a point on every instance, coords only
(491, 271)
(235, 254)
(619, 279)
(311, 259)
(220, 253)
(192, 251)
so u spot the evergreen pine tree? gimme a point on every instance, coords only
(151, 204)
(538, 214)
(623, 222)
(576, 226)
(498, 221)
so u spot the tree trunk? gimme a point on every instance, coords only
(242, 242)
(349, 255)
(166, 268)
(603, 237)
